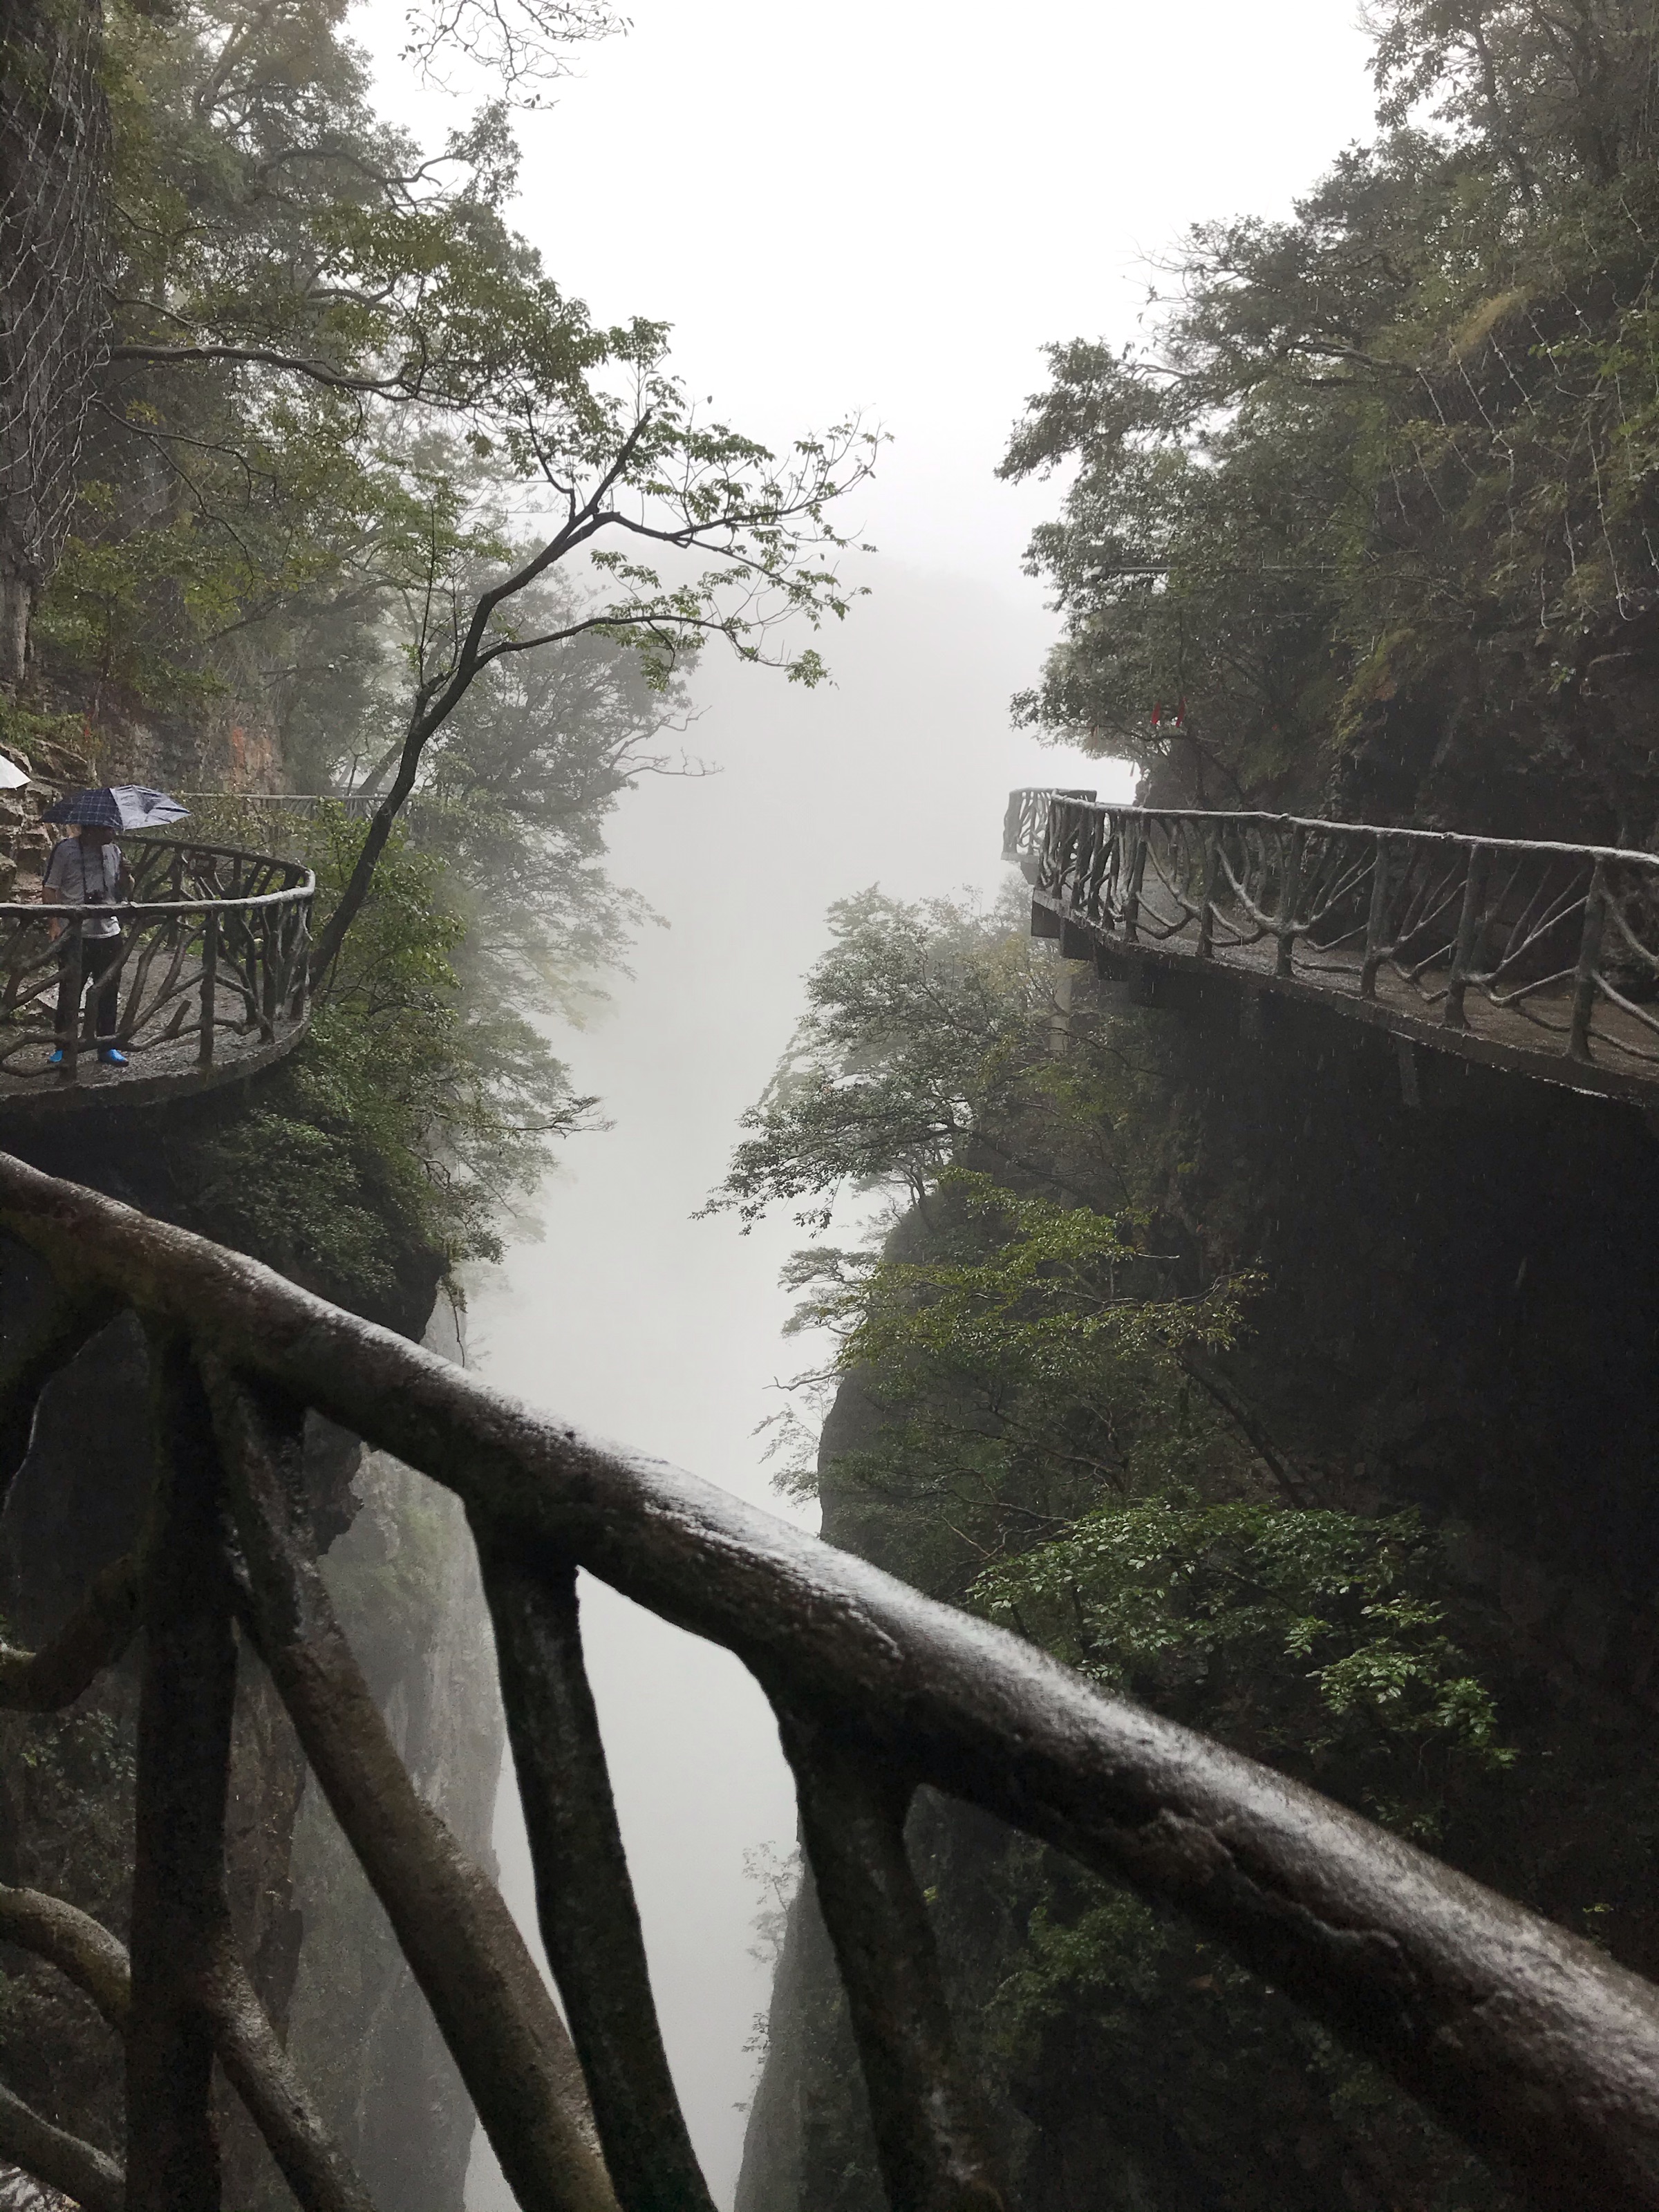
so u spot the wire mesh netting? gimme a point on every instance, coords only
(54, 155)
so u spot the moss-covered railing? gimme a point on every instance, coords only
(1532, 2043)
(1542, 957)
(212, 970)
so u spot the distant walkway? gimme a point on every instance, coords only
(1540, 958)
(212, 984)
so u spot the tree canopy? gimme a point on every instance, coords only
(349, 427)
(1367, 523)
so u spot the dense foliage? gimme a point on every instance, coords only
(366, 499)
(349, 416)
(1040, 1361)
(413, 1117)
(1368, 522)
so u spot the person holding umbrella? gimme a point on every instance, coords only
(89, 870)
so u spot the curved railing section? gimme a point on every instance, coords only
(1534, 954)
(1026, 821)
(1532, 2042)
(211, 978)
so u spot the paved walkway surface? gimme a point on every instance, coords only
(28, 1089)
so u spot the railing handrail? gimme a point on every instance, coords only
(227, 965)
(60, 909)
(1467, 840)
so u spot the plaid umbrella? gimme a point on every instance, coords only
(116, 806)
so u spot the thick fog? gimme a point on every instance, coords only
(887, 206)
(637, 1320)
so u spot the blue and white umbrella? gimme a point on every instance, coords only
(116, 806)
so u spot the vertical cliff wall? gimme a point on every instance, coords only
(1460, 1314)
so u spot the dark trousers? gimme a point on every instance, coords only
(99, 955)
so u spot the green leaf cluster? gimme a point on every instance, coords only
(403, 1132)
(929, 1042)
(1316, 1640)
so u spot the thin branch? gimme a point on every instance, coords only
(266, 357)
(1244, 1416)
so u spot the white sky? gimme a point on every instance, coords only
(889, 205)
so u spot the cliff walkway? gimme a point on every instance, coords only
(211, 986)
(1540, 958)
(1532, 2043)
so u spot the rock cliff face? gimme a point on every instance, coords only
(231, 751)
(1461, 1315)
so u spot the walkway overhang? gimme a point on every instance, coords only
(1538, 959)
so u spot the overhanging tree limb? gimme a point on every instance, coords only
(759, 533)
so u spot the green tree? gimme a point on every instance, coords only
(351, 427)
(932, 1039)
(412, 1118)
(1374, 505)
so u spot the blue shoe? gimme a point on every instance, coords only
(110, 1057)
(57, 1059)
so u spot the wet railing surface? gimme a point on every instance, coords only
(210, 979)
(1532, 2042)
(1541, 957)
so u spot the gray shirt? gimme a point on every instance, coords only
(88, 875)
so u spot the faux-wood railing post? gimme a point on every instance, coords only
(269, 921)
(930, 2138)
(1289, 895)
(585, 1900)
(1374, 918)
(186, 1703)
(1590, 956)
(69, 1032)
(301, 957)
(492, 2007)
(1469, 931)
(1099, 855)
(1212, 875)
(209, 986)
(1132, 888)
